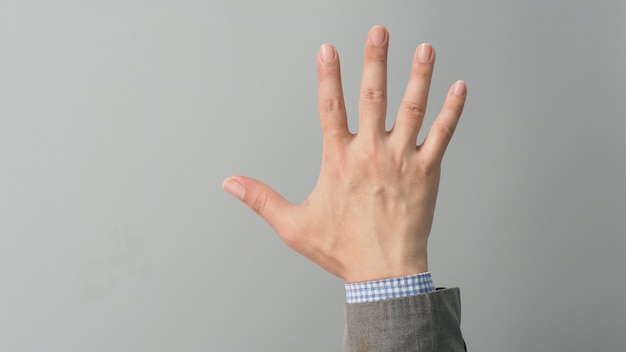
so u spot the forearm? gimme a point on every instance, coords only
(423, 322)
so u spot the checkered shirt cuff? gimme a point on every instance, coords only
(372, 291)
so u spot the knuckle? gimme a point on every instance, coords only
(369, 157)
(430, 169)
(374, 95)
(399, 160)
(329, 72)
(423, 73)
(375, 55)
(378, 56)
(414, 109)
(332, 104)
(454, 108)
(259, 202)
(443, 129)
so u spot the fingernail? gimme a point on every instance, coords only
(327, 53)
(424, 52)
(377, 35)
(459, 88)
(234, 188)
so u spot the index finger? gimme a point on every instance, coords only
(330, 96)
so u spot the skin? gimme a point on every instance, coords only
(370, 214)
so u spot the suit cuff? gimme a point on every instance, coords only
(372, 291)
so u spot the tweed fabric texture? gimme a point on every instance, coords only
(423, 323)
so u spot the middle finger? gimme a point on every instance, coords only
(373, 97)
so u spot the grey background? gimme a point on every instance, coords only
(120, 119)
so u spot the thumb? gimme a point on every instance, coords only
(261, 198)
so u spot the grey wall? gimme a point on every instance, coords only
(119, 120)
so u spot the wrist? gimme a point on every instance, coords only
(372, 271)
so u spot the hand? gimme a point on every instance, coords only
(370, 214)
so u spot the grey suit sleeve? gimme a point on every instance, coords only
(426, 323)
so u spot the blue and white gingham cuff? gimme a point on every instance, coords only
(372, 291)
